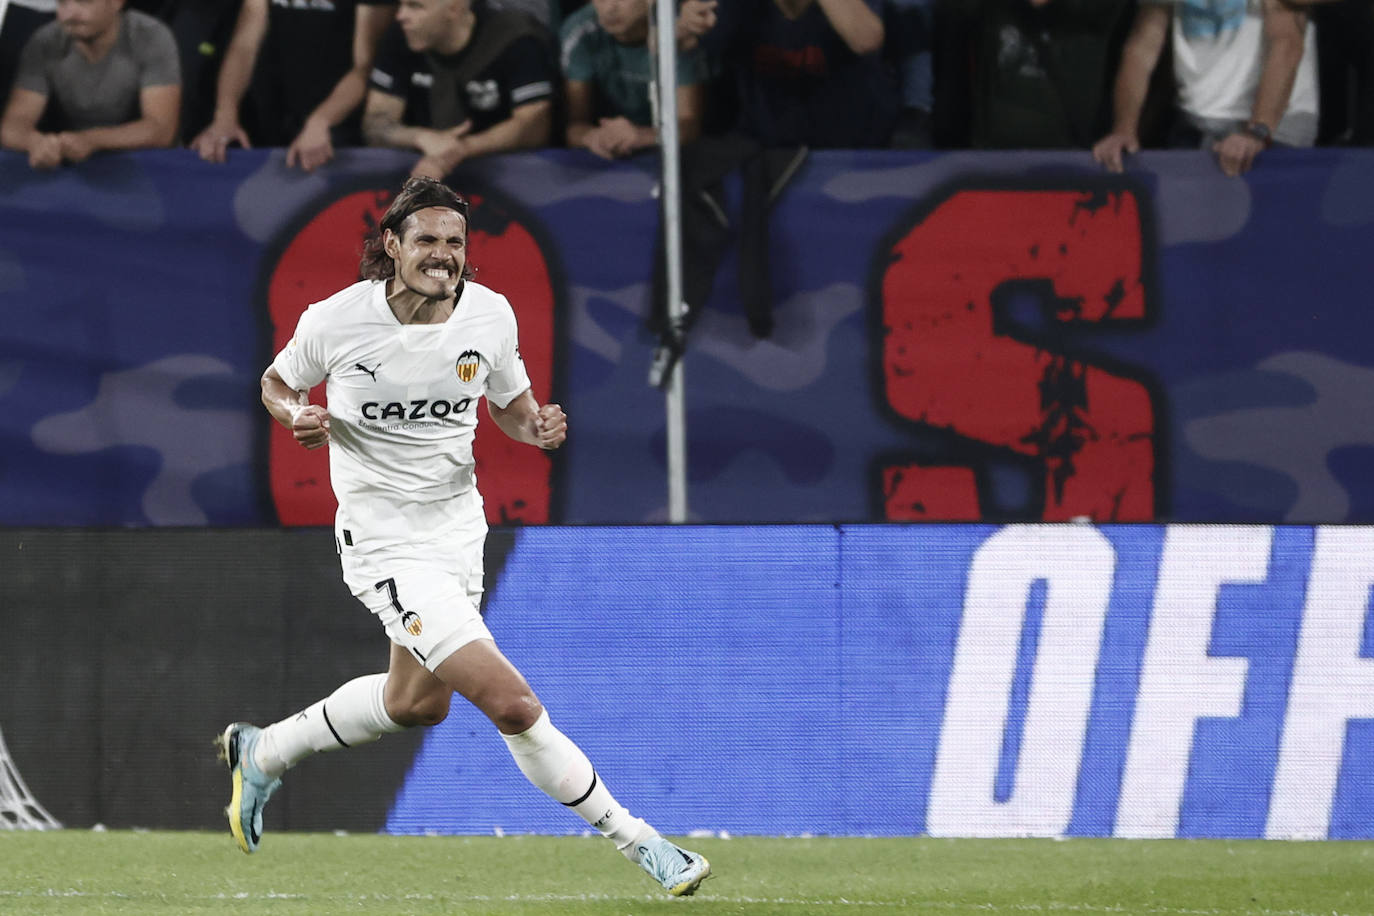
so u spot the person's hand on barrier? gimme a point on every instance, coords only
(45, 152)
(212, 143)
(310, 426)
(444, 151)
(313, 146)
(76, 146)
(1110, 151)
(1237, 152)
(433, 142)
(612, 138)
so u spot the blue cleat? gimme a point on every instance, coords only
(251, 787)
(679, 871)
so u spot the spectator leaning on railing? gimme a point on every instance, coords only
(808, 72)
(456, 79)
(98, 78)
(608, 69)
(1246, 73)
(307, 67)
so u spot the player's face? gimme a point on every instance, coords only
(625, 20)
(430, 252)
(87, 20)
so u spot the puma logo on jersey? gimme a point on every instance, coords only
(371, 372)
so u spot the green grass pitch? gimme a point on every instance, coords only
(149, 873)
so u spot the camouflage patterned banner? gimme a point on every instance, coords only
(973, 336)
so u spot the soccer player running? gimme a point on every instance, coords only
(410, 526)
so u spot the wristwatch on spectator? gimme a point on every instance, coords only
(1260, 131)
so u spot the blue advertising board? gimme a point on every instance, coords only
(952, 680)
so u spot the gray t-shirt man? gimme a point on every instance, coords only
(103, 93)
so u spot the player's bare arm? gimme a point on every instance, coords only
(309, 423)
(525, 420)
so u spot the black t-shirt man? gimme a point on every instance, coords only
(507, 63)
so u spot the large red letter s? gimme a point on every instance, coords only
(948, 365)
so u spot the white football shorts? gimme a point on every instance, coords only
(428, 597)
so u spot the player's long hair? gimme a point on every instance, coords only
(416, 194)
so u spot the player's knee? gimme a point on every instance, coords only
(515, 713)
(433, 709)
(425, 709)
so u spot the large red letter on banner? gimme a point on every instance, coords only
(948, 365)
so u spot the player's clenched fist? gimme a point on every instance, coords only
(310, 426)
(552, 426)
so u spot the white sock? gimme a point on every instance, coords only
(353, 714)
(551, 761)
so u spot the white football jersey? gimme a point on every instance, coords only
(402, 403)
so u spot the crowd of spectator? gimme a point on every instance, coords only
(759, 81)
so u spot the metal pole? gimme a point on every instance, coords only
(666, 108)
